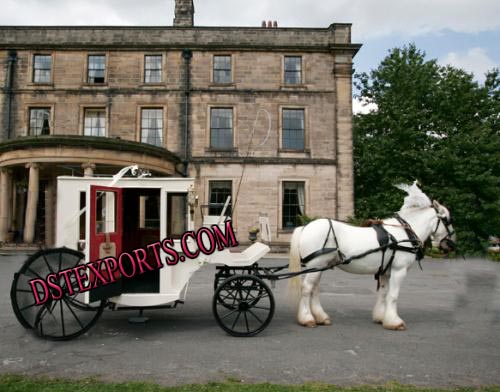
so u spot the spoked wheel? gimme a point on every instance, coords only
(243, 305)
(56, 319)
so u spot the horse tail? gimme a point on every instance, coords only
(295, 284)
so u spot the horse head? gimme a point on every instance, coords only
(443, 236)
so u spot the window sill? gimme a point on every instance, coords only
(231, 150)
(300, 86)
(305, 151)
(222, 85)
(286, 231)
(95, 84)
(34, 84)
(153, 85)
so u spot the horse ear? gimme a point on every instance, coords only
(436, 204)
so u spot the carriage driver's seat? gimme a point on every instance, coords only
(251, 254)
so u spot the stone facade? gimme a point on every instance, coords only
(256, 89)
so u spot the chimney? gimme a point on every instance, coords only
(184, 13)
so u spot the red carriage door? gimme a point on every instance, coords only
(106, 234)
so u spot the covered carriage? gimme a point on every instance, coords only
(102, 218)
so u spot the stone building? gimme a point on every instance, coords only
(259, 113)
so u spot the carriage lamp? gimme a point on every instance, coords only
(192, 197)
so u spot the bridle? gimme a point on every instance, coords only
(449, 232)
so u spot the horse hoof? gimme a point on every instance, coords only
(325, 322)
(309, 324)
(396, 327)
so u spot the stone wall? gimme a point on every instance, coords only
(257, 86)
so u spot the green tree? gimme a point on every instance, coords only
(437, 125)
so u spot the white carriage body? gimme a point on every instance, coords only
(171, 282)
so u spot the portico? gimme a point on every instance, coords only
(29, 168)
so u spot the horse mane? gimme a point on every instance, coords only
(415, 197)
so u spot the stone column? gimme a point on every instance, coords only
(5, 201)
(88, 169)
(50, 194)
(343, 110)
(13, 211)
(33, 188)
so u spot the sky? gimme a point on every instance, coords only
(463, 33)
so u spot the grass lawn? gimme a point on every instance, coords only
(16, 383)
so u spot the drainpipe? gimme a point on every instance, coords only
(8, 92)
(187, 54)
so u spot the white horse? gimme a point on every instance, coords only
(324, 243)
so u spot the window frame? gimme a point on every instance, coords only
(233, 129)
(140, 108)
(33, 69)
(87, 69)
(283, 73)
(39, 107)
(162, 68)
(169, 195)
(210, 181)
(281, 129)
(281, 188)
(231, 69)
(95, 109)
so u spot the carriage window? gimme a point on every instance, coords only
(176, 214)
(105, 212)
(149, 212)
(83, 202)
(293, 203)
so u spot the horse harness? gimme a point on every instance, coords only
(449, 232)
(387, 242)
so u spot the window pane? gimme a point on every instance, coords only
(293, 129)
(222, 69)
(42, 65)
(96, 68)
(39, 121)
(219, 192)
(293, 69)
(152, 69)
(149, 212)
(105, 212)
(95, 121)
(176, 214)
(292, 203)
(221, 128)
(152, 126)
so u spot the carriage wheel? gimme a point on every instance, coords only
(227, 272)
(243, 305)
(61, 319)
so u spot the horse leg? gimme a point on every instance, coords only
(379, 308)
(319, 314)
(305, 316)
(391, 318)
